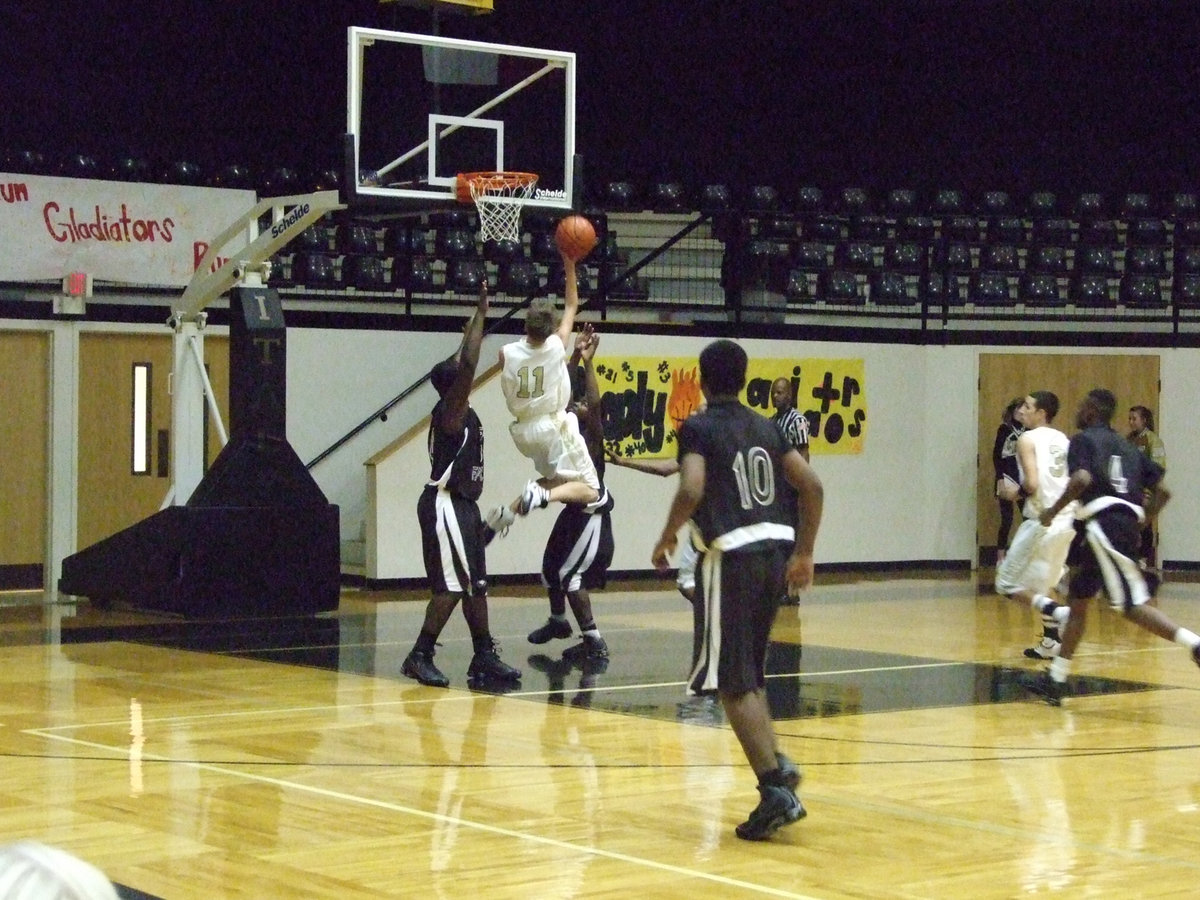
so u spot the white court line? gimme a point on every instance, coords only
(449, 820)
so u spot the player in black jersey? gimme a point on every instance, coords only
(580, 547)
(1111, 479)
(758, 543)
(452, 531)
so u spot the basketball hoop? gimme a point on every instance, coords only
(499, 197)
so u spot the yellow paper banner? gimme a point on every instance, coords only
(645, 398)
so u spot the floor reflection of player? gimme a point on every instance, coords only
(1040, 795)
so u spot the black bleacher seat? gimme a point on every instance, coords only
(454, 242)
(991, 289)
(840, 287)
(995, 203)
(948, 202)
(1053, 230)
(619, 195)
(904, 256)
(521, 278)
(1040, 289)
(1093, 289)
(1146, 231)
(502, 251)
(715, 198)
(668, 197)
(762, 198)
(811, 256)
(556, 279)
(961, 228)
(366, 273)
(1049, 259)
(854, 201)
(942, 289)
(916, 228)
(823, 227)
(855, 256)
(900, 202)
(1101, 260)
(1187, 260)
(412, 273)
(1099, 232)
(1091, 205)
(953, 256)
(777, 227)
(1146, 260)
(315, 270)
(352, 238)
(869, 228)
(999, 258)
(892, 288)
(1136, 206)
(1042, 205)
(1186, 290)
(1184, 205)
(313, 239)
(542, 247)
(1145, 291)
(1006, 230)
(465, 274)
(404, 240)
(801, 286)
(810, 199)
(1187, 233)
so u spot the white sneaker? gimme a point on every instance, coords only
(499, 520)
(533, 497)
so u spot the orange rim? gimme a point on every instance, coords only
(492, 181)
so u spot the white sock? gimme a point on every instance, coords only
(1186, 638)
(1059, 669)
(1061, 614)
(557, 618)
(1040, 602)
(593, 633)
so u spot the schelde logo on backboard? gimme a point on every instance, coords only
(546, 194)
(289, 220)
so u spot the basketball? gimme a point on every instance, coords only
(575, 237)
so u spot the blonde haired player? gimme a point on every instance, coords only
(537, 391)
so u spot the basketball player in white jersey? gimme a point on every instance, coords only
(1038, 553)
(537, 390)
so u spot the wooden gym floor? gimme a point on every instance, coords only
(276, 758)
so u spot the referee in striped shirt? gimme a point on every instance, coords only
(794, 425)
(790, 420)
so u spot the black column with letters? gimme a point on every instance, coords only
(257, 536)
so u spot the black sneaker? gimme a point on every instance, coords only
(554, 628)
(1045, 687)
(1047, 649)
(790, 772)
(1196, 654)
(779, 806)
(419, 665)
(588, 648)
(486, 665)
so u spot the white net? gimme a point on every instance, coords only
(499, 197)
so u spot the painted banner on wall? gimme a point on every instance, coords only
(645, 399)
(117, 232)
